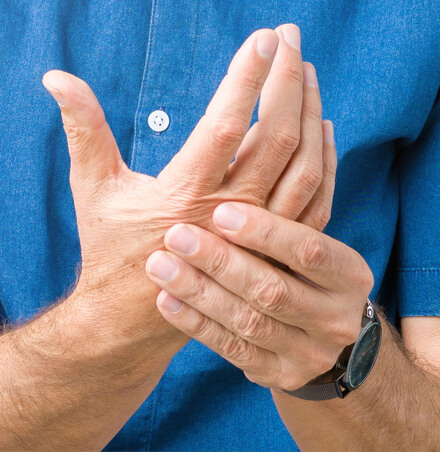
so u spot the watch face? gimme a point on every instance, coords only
(364, 355)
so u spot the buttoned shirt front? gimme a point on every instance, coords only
(154, 65)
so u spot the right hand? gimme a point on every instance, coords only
(123, 216)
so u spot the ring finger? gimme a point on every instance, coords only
(304, 173)
(198, 290)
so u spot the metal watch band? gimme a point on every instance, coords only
(325, 391)
(336, 388)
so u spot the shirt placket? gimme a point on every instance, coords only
(162, 120)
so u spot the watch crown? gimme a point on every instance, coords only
(370, 309)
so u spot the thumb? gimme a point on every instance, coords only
(93, 150)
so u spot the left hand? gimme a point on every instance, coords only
(282, 328)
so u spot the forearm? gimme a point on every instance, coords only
(69, 382)
(397, 408)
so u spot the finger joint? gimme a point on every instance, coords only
(313, 253)
(272, 294)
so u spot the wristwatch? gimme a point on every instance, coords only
(353, 365)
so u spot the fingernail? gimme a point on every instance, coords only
(56, 94)
(228, 217)
(310, 77)
(267, 44)
(168, 302)
(292, 36)
(328, 132)
(162, 266)
(182, 239)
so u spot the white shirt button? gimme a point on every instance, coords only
(158, 121)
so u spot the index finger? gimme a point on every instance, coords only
(324, 261)
(206, 155)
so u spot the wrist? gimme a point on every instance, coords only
(121, 349)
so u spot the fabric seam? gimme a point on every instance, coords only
(419, 270)
(141, 93)
(148, 434)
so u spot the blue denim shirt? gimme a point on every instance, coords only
(378, 65)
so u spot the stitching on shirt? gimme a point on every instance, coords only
(419, 270)
(148, 432)
(143, 83)
(193, 51)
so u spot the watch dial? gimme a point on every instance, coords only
(364, 355)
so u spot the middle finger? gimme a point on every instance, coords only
(269, 144)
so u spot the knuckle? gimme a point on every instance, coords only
(255, 379)
(238, 350)
(309, 178)
(198, 290)
(313, 253)
(272, 294)
(366, 279)
(217, 263)
(323, 362)
(253, 326)
(267, 233)
(290, 380)
(290, 384)
(345, 332)
(312, 111)
(291, 73)
(79, 137)
(285, 138)
(251, 82)
(199, 326)
(322, 215)
(227, 131)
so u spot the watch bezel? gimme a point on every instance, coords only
(336, 382)
(345, 381)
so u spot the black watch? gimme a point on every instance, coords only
(353, 365)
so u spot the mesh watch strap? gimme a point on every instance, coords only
(338, 388)
(326, 391)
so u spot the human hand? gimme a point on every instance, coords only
(282, 328)
(122, 215)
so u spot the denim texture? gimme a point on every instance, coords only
(379, 72)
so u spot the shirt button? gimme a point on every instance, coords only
(158, 121)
